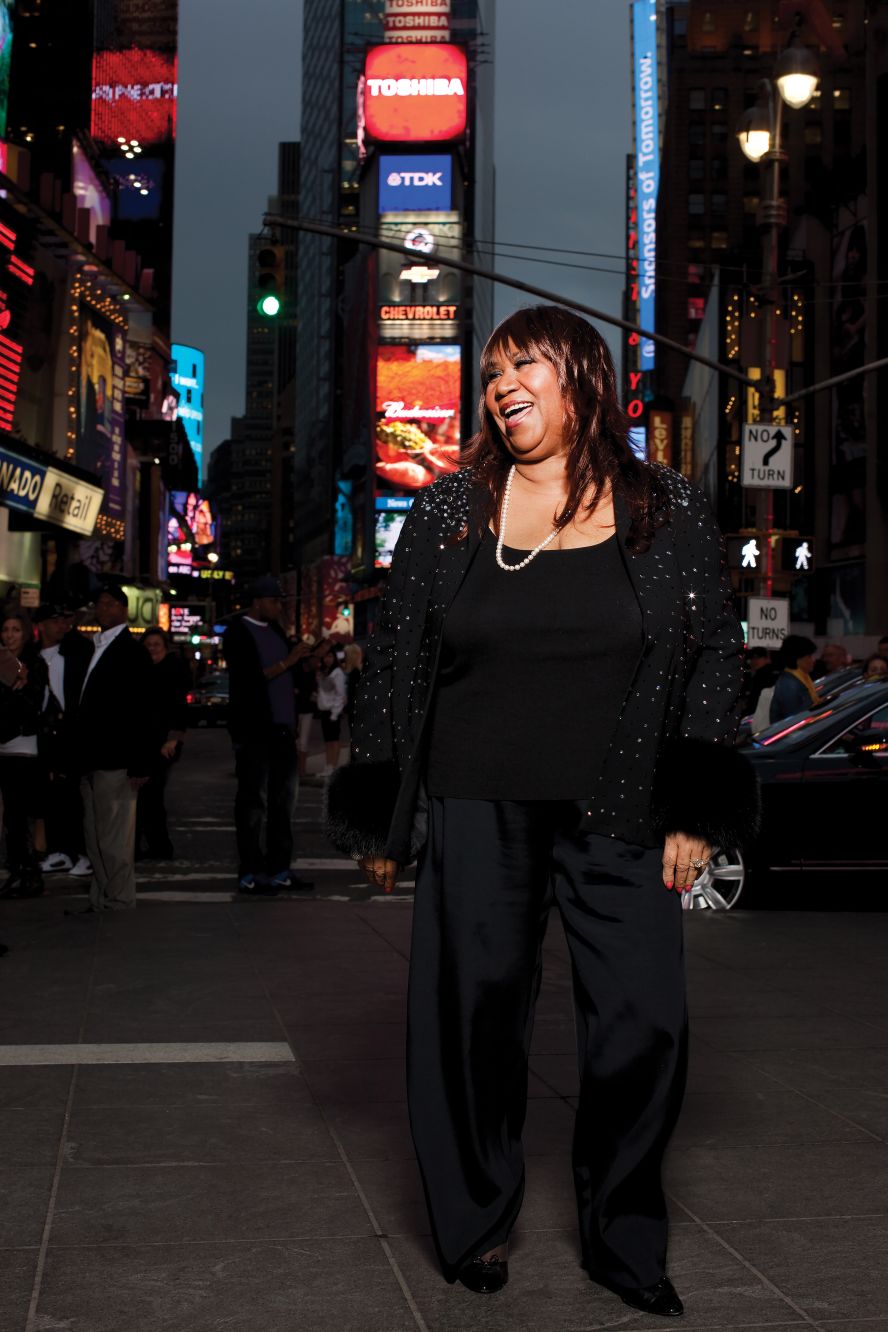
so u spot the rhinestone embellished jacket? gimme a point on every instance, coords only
(670, 766)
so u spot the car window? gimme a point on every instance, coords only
(820, 722)
(871, 731)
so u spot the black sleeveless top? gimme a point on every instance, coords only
(534, 669)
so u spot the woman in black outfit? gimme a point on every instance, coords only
(21, 702)
(169, 719)
(546, 715)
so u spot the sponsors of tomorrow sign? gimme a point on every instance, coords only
(647, 162)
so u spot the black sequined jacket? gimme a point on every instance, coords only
(670, 766)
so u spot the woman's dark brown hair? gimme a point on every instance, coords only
(598, 455)
(24, 619)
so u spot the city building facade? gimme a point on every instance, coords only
(708, 264)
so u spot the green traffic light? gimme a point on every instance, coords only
(269, 306)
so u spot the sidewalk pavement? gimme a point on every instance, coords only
(202, 1126)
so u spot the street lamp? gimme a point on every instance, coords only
(760, 135)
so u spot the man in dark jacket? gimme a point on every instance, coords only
(262, 724)
(112, 750)
(66, 653)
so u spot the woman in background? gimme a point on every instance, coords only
(332, 697)
(21, 702)
(795, 690)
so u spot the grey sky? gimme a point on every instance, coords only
(562, 133)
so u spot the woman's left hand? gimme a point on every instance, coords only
(679, 853)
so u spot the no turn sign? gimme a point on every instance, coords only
(767, 621)
(767, 457)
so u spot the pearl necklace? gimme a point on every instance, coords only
(501, 539)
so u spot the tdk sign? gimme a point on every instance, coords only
(408, 184)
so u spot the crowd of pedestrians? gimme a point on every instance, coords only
(90, 724)
(791, 679)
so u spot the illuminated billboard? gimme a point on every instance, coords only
(388, 528)
(101, 406)
(187, 378)
(417, 416)
(134, 97)
(89, 191)
(417, 20)
(647, 162)
(6, 19)
(192, 532)
(407, 184)
(415, 93)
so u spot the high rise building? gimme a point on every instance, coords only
(708, 267)
(88, 98)
(422, 170)
(250, 474)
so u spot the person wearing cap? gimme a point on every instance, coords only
(112, 750)
(67, 653)
(262, 724)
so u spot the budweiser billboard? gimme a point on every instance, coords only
(417, 20)
(415, 93)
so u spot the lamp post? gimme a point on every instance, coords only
(760, 134)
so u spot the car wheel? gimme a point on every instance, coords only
(720, 886)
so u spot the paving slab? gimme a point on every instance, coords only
(341, 1284)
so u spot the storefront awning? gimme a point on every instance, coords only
(48, 488)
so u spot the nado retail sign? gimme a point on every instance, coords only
(48, 493)
(415, 184)
(415, 93)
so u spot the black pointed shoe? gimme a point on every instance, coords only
(660, 1299)
(485, 1276)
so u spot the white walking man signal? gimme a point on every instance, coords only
(750, 553)
(803, 554)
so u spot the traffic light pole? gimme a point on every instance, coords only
(772, 218)
(501, 279)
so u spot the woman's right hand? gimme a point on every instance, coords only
(380, 872)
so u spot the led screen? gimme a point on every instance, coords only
(187, 378)
(409, 184)
(388, 528)
(192, 532)
(6, 18)
(134, 97)
(415, 93)
(89, 192)
(101, 406)
(417, 416)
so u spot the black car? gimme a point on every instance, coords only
(208, 701)
(824, 781)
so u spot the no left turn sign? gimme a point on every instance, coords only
(767, 457)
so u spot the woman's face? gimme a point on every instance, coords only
(155, 647)
(806, 663)
(12, 635)
(328, 661)
(524, 398)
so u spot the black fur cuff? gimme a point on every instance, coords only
(360, 803)
(706, 790)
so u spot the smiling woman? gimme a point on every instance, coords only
(549, 720)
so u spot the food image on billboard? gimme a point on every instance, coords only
(415, 93)
(101, 406)
(417, 416)
(134, 97)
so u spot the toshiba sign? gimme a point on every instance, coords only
(415, 93)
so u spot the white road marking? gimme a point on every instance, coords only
(153, 1052)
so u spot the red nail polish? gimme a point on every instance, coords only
(669, 885)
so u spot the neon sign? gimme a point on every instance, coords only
(15, 274)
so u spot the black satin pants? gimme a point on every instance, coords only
(487, 878)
